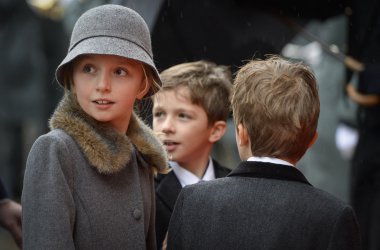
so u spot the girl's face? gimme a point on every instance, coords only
(106, 87)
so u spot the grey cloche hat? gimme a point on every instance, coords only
(111, 30)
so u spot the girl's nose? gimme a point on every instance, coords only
(104, 83)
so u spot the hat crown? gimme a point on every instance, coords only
(112, 21)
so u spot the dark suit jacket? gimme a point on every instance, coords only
(167, 191)
(261, 206)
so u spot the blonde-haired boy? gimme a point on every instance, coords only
(266, 203)
(189, 114)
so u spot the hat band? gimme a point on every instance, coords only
(94, 34)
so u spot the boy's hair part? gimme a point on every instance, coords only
(277, 102)
(209, 85)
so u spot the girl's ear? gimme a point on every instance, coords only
(144, 88)
(217, 131)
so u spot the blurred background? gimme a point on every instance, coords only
(334, 37)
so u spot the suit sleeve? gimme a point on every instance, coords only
(162, 221)
(47, 201)
(176, 223)
(346, 234)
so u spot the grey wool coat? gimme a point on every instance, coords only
(88, 187)
(261, 206)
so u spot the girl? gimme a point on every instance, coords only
(89, 182)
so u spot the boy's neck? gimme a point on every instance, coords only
(197, 167)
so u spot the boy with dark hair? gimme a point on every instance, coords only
(189, 114)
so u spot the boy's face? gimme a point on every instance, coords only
(107, 86)
(182, 126)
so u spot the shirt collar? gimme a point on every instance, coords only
(185, 177)
(270, 159)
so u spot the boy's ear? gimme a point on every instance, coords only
(242, 135)
(315, 137)
(144, 88)
(217, 131)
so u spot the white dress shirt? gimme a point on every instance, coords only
(270, 160)
(186, 177)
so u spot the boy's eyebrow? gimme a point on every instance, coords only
(177, 110)
(182, 110)
(156, 107)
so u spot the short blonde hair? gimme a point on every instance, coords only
(277, 102)
(209, 85)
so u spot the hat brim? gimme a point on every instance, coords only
(109, 46)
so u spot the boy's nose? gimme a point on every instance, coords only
(168, 126)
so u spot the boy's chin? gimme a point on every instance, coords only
(170, 157)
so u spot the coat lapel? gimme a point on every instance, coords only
(168, 189)
(219, 170)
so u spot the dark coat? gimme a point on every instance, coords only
(364, 30)
(167, 191)
(261, 206)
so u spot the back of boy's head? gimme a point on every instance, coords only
(110, 29)
(209, 85)
(277, 101)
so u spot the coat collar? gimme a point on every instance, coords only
(255, 169)
(220, 171)
(107, 150)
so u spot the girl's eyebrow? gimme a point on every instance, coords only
(118, 59)
(85, 56)
(127, 61)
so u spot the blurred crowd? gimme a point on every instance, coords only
(34, 36)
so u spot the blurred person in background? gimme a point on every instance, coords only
(364, 37)
(10, 215)
(30, 45)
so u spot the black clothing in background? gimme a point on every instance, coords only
(364, 44)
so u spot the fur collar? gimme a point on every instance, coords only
(105, 149)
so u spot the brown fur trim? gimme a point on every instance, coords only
(106, 149)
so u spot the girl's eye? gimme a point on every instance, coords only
(88, 68)
(121, 72)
